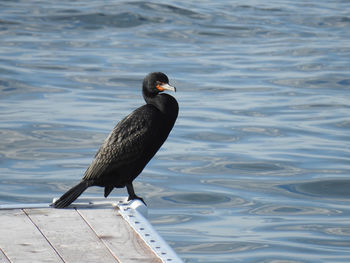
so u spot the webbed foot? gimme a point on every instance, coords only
(136, 197)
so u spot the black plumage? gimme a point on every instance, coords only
(132, 143)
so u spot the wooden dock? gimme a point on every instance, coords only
(90, 231)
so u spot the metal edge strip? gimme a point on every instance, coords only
(135, 213)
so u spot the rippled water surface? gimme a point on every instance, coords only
(256, 168)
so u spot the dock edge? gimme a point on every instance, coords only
(135, 213)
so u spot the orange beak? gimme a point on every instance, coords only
(165, 86)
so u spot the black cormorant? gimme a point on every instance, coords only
(132, 143)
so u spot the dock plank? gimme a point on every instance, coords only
(3, 257)
(118, 236)
(69, 234)
(21, 240)
(91, 230)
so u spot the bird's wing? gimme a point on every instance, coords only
(126, 143)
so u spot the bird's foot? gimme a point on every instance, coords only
(136, 197)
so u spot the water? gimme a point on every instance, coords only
(256, 168)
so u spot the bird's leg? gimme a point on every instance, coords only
(108, 190)
(132, 194)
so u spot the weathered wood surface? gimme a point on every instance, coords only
(69, 235)
(21, 241)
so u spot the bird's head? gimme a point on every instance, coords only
(154, 83)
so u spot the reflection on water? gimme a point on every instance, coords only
(257, 166)
(323, 188)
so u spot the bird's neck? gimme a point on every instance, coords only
(156, 100)
(148, 97)
(163, 102)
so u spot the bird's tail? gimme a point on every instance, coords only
(72, 194)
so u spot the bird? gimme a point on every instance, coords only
(132, 143)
